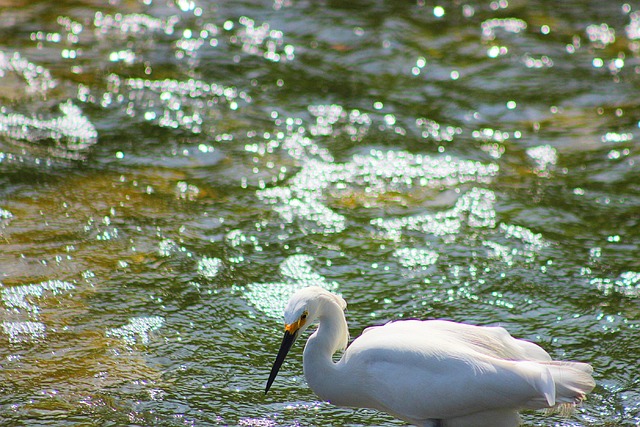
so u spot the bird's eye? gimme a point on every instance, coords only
(303, 316)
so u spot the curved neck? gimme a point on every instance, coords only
(332, 335)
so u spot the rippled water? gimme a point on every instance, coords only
(170, 171)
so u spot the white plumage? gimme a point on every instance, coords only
(428, 373)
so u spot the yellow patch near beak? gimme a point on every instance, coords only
(293, 327)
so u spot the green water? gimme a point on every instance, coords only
(171, 171)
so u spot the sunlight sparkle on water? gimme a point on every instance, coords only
(376, 173)
(23, 331)
(543, 62)
(416, 258)
(545, 157)
(535, 240)
(335, 120)
(628, 284)
(633, 29)
(38, 78)
(5, 214)
(172, 103)
(601, 35)
(209, 267)
(477, 206)
(436, 131)
(15, 297)
(271, 298)
(495, 51)
(616, 137)
(186, 191)
(501, 252)
(135, 23)
(138, 329)
(256, 422)
(261, 40)
(509, 25)
(72, 128)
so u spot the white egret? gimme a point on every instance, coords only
(427, 373)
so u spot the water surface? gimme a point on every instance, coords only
(170, 171)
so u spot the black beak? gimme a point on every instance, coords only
(287, 342)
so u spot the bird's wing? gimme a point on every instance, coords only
(490, 340)
(423, 370)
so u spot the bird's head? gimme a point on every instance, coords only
(303, 309)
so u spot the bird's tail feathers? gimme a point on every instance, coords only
(573, 381)
(541, 379)
(561, 385)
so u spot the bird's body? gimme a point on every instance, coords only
(428, 373)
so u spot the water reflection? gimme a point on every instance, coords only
(271, 298)
(171, 171)
(137, 329)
